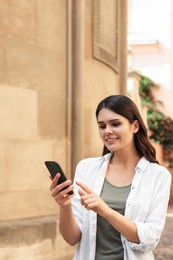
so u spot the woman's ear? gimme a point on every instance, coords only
(136, 126)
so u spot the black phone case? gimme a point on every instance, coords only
(54, 168)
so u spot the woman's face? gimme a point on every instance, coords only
(115, 130)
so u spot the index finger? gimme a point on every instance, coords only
(84, 187)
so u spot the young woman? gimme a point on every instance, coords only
(120, 203)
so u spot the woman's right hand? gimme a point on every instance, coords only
(61, 196)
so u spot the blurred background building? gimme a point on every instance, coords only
(150, 53)
(58, 59)
(150, 44)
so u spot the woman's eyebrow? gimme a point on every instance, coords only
(112, 120)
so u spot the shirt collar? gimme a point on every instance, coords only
(142, 164)
(107, 156)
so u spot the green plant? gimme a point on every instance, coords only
(160, 125)
(145, 85)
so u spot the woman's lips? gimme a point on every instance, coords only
(110, 139)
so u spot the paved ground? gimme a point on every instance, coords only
(164, 249)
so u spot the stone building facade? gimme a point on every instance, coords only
(58, 59)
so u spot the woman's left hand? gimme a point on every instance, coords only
(91, 201)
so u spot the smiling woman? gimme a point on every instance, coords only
(115, 130)
(127, 111)
(121, 198)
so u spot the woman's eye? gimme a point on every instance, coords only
(102, 126)
(115, 124)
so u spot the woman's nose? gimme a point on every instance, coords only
(108, 129)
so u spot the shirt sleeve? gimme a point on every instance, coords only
(149, 232)
(76, 204)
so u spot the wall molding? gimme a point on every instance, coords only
(102, 49)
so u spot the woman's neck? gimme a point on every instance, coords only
(125, 160)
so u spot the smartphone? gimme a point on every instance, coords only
(54, 168)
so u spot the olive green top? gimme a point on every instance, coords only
(108, 240)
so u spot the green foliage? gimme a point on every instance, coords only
(145, 85)
(160, 125)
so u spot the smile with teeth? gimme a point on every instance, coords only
(110, 139)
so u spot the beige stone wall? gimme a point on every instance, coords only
(32, 103)
(50, 85)
(33, 239)
(100, 81)
(33, 93)
(103, 71)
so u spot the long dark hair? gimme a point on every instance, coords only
(125, 107)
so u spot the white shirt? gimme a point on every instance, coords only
(146, 205)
